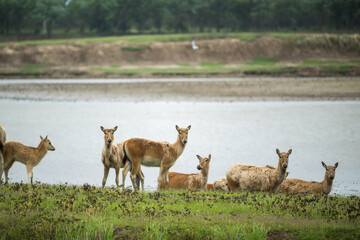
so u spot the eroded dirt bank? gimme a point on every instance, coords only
(217, 50)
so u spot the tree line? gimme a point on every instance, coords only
(115, 17)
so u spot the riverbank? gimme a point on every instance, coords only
(72, 212)
(164, 56)
(220, 89)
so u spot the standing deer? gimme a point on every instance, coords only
(190, 181)
(112, 156)
(15, 151)
(253, 178)
(2, 143)
(154, 154)
(300, 186)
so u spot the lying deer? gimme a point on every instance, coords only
(221, 184)
(253, 178)
(112, 156)
(190, 181)
(301, 186)
(15, 151)
(154, 154)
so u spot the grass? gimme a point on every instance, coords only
(78, 212)
(244, 36)
(136, 48)
(258, 66)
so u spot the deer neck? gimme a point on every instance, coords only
(326, 185)
(280, 173)
(41, 151)
(178, 147)
(204, 173)
(108, 148)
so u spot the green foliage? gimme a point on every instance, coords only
(118, 17)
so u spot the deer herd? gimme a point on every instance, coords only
(134, 153)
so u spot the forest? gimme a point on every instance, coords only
(122, 17)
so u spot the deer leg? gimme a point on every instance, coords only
(134, 172)
(166, 175)
(106, 173)
(1, 167)
(30, 173)
(117, 170)
(160, 178)
(125, 171)
(7, 168)
(142, 180)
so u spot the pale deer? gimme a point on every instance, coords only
(190, 181)
(154, 154)
(253, 178)
(112, 156)
(221, 184)
(30, 156)
(300, 186)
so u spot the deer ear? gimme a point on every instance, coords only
(324, 164)
(209, 157)
(41, 137)
(46, 138)
(336, 165)
(188, 128)
(278, 152)
(115, 128)
(198, 156)
(102, 128)
(289, 152)
(177, 127)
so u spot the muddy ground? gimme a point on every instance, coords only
(241, 89)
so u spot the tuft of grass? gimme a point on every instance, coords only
(263, 61)
(136, 48)
(184, 64)
(115, 66)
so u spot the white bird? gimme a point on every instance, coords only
(194, 45)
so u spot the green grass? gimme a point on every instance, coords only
(264, 61)
(244, 36)
(136, 48)
(70, 212)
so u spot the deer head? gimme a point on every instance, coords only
(183, 133)
(109, 134)
(283, 158)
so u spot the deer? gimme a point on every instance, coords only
(30, 156)
(221, 184)
(154, 154)
(300, 186)
(2, 143)
(195, 181)
(112, 156)
(253, 178)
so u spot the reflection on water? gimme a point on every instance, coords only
(239, 132)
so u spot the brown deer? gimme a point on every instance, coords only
(300, 186)
(112, 156)
(209, 187)
(30, 156)
(154, 154)
(253, 178)
(190, 181)
(2, 143)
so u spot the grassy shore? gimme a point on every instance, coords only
(86, 212)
